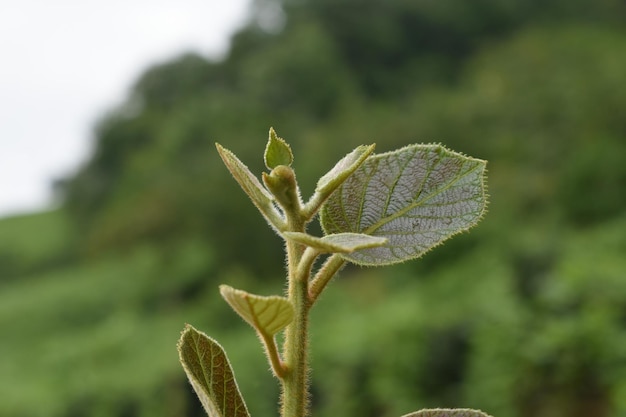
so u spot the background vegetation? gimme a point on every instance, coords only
(524, 316)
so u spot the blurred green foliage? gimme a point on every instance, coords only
(524, 316)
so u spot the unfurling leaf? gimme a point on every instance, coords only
(339, 243)
(277, 152)
(448, 412)
(252, 186)
(416, 197)
(267, 315)
(210, 374)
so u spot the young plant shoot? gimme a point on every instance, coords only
(374, 209)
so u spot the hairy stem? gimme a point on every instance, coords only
(296, 384)
(295, 393)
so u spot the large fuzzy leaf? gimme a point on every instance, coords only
(416, 197)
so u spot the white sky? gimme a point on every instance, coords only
(64, 62)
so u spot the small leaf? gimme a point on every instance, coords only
(448, 412)
(210, 374)
(342, 169)
(339, 243)
(277, 152)
(416, 197)
(337, 175)
(261, 198)
(268, 315)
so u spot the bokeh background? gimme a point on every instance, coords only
(523, 316)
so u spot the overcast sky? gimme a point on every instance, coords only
(64, 62)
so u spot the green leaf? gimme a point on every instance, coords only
(210, 374)
(339, 243)
(261, 198)
(337, 175)
(277, 152)
(343, 169)
(448, 412)
(268, 315)
(416, 197)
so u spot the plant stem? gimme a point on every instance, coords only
(278, 367)
(295, 382)
(295, 387)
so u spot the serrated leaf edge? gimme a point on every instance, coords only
(272, 141)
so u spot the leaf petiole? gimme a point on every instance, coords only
(329, 269)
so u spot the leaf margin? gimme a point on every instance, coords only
(438, 148)
(243, 303)
(204, 389)
(277, 151)
(336, 176)
(261, 197)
